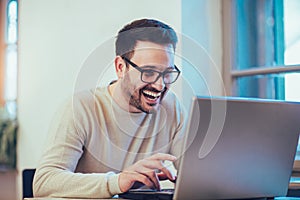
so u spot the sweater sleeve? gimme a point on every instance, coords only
(55, 175)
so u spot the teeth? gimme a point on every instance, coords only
(155, 95)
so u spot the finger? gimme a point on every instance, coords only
(127, 179)
(154, 164)
(168, 172)
(153, 177)
(163, 156)
(151, 174)
(149, 165)
(144, 179)
(175, 178)
(161, 176)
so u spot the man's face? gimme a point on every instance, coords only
(142, 96)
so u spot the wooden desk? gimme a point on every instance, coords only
(49, 198)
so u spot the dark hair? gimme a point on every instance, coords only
(143, 30)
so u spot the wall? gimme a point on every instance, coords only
(57, 44)
(202, 48)
(56, 39)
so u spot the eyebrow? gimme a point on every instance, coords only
(154, 67)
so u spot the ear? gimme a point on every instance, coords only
(120, 67)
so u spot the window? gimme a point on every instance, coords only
(261, 50)
(8, 80)
(8, 83)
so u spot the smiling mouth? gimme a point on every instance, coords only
(151, 94)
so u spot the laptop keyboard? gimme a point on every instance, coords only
(148, 194)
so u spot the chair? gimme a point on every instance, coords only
(27, 178)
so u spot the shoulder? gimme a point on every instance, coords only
(88, 98)
(82, 104)
(173, 107)
(171, 102)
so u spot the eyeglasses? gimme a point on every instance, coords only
(151, 75)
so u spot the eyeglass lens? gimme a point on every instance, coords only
(150, 76)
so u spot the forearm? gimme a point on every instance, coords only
(61, 183)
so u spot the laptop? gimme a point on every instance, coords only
(234, 148)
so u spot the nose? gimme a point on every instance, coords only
(159, 84)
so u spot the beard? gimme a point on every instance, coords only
(136, 102)
(135, 99)
(133, 96)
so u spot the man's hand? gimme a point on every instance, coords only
(144, 171)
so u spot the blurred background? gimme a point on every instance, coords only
(51, 49)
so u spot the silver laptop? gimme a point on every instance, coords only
(235, 149)
(238, 148)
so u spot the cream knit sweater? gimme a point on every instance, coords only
(92, 139)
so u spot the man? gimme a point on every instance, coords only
(105, 141)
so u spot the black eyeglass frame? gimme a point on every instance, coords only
(161, 74)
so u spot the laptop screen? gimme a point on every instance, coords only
(238, 148)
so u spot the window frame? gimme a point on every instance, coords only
(3, 5)
(9, 56)
(230, 75)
